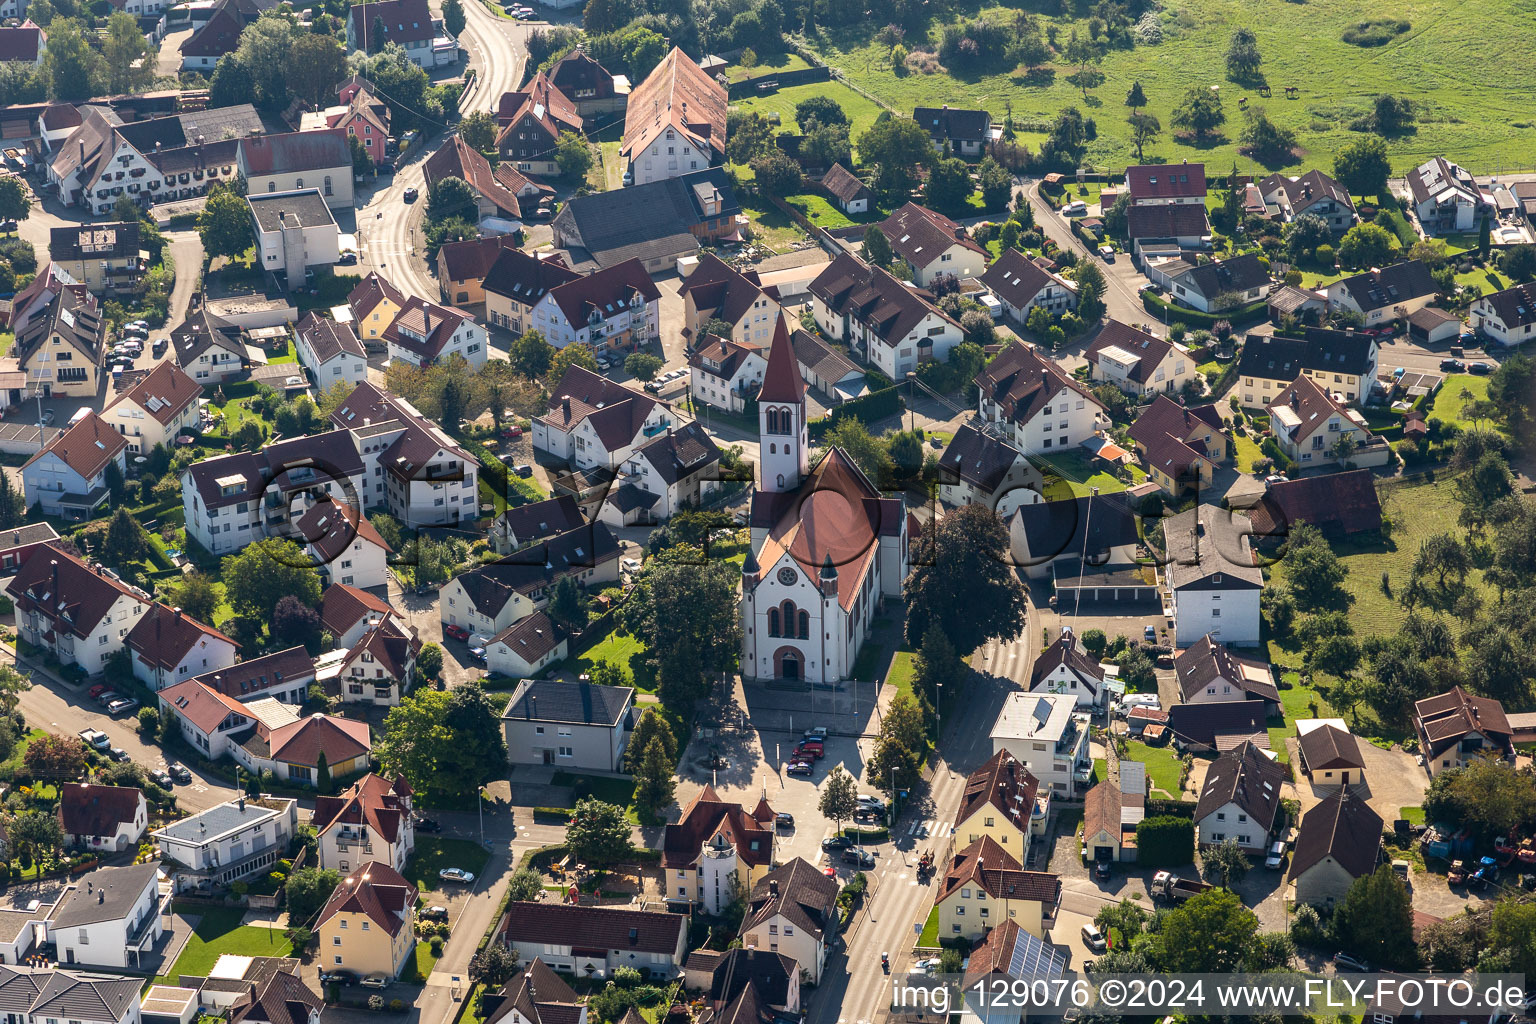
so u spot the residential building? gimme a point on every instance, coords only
(169, 646)
(590, 941)
(793, 910)
(674, 123)
(70, 476)
(1339, 841)
(1167, 228)
(1314, 194)
(879, 318)
(1338, 504)
(1209, 673)
(1454, 727)
(537, 995)
(80, 613)
(217, 36)
(1298, 303)
(62, 346)
(342, 544)
(1340, 361)
(38, 994)
(532, 120)
(1508, 316)
(424, 333)
(268, 991)
(369, 822)
(715, 850)
(374, 303)
(26, 43)
(1222, 726)
(932, 245)
(984, 886)
(1008, 955)
(1043, 732)
(1239, 799)
(297, 752)
(1066, 667)
(1313, 428)
(285, 676)
(347, 613)
(208, 720)
(525, 647)
(673, 471)
(330, 351)
(1020, 284)
(494, 200)
(1180, 445)
(580, 726)
(1212, 577)
(462, 266)
(299, 161)
(1446, 197)
(1138, 362)
(361, 114)
(837, 378)
(595, 422)
(102, 818)
(613, 310)
(294, 232)
(1036, 405)
(515, 283)
(379, 668)
(1181, 184)
(1003, 803)
(849, 193)
(407, 22)
(723, 976)
(827, 547)
(1111, 812)
(518, 527)
(977, 468)
(106, 258)
(368, 924)
(656, 223)
(228, 843)
(209, 349)
(156, 409)
(1216, 286)
(718, 291)
(1330, 756)
(18, 544)
(957, 132)
(1058, 539)
(491, 598)
(589, 85)
(1390, 293)
(109, 917)
(725, 374)
(1433, 326)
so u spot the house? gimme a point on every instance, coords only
(514, 284)
(574, 726)
(591, 941)
(18, 544)
(589, 85)
(301, 752)
(424, 333)
(62, 346)
(1314, 194)
(208, 720)
(209, 349)
(1008, 955)
(718, 291)
(295, 232)
(36, 994)
(462, 266)
(1455, 726)
(1042, 732)
(850, 194)
(1167, 228)
(215, 37)
(71, 476)
(525, 647)
(725, 374)
(297, 161)
(23, 44)
(271, 993)
(1313, 428)
(1341, 361)
(168, 647)
(109, 917)
(343, 545)
(1330, 756)
(285, 676)
(1037, 406)
(1216, 286)
(715, 849)
(371, 819)
(1433, 326)
(361, 115)
(1066, 667)
(106, 258)
(722, 976)
(368, 924)
(595, 422)
(1209, 673)
(962, 133)
(879, 318)
(793, 910)
(1338, 504)
(374, 303)
(1181, 184)
(229, 842)
(611, 311)
(1020, 284)
(674, 122)
(977, 467)
(1137, 362)
(983, 886)
(232, 500)
(457, 159)
(932, 244)
(347, 613)
(673, 471)
(537, 995)
(330, 351)
(379, 668)
(1212, 576)
(1239, 799)
(518, 527)
(1391, 293)
(1222, 726)
(1338, 842)
(1508, 316)
(407, 22)
(491, 598)
(1002, 802)
(532, 121)
(1446, 197)
(656, 223)
(838, 378)
(1111, 812)
(102, 818)
(1180, 445)
(1071, 533)
(156, 409)
(1289, 301)
(78, 612)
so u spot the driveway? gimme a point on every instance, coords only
(1393, 780)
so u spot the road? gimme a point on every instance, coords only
(1121, 297)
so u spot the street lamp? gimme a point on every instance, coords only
(480, 809)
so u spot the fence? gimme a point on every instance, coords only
(779, 80)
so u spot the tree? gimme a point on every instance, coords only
(1313, 571)
(75, 70)
(478, 130)
(567, 607)
(266, 47)
(961, 581)
(55, 758)
(231, 83)
(224, 226)
(1363, 166)
(450, 197)
(747, 136)
(295, 623)
(1137, 97)
(195, 595)
(1209, 934)
(1266, 141)
(898, 145)
(36, 835)
(530, 355)
(1392, 115)
(777, 175)
(1512, 936)
(316, 64)
(13, 506)
(125, 540)
(1137, 670)
(1124, 917)
(1488, 795)
(1067, 140)
(825, 145)
(308, 890)
(1224, 863)
(873, 457)
(494, 965)
(525, 886)
(1243, 57)
(877, 248)
(362, 163)
(573, 154)
(429, 662)
(655, 780)
(564, 358)
(839, 800)
(454, 18)
(1484, 236)
(1145, 128)
(1086, 79)
(1375, 921)
(821, 109)
(897, 761)
(1519, 263)
(1200, 112)
(12, 685)
(260, 575)
(1366, 245)
(652, 726)
(686, 607)
(130, 66)
(643, 366)
(598, 834)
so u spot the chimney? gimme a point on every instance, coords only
(773, 886)
(176, 612)
(101, 895)
(565, 405)
(241, 801)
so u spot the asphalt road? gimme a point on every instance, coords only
(1121, 297)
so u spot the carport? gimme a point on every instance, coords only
(1107, 584)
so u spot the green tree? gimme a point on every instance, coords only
(530, 355)
(1366, 245)
(962, 581)
(450, 197)
(1484, 236)
(777, 175)
(1363, 166)
(317, 65)
(125, 541)
(130, 64)
(1137, 670)
(266, 47)
(525, 886)
(897, 761)
(1224, 863)
(493, 965)
(308, 890)
(598, 834)
(854, 438)
(570, 355)
(877, 248)
(686, 607)
(1145, 128)
(1375, 921)
(655, 780)
(454, 18)
(748, 136)
(196, 595)
(261, 574)
(1137, 97)
(1266, 141)
(567, 606)
(1519, 263)
(936, 668)
(1243, 57)
(1211, 933)
(643, 366)
(231, 83)
(36, 835)
(1200, 112)
(1313, 571)
(821, 109)
(839, 800)
(224, 226)
(478, 130)
(1086, 79)
(1488, 795)
(652, 726)
(1124, 917)
(573, 154)
(1512, 937)
(1166, 841)
(76, 71)
(825, 145)
(898, 145)
(12, 685)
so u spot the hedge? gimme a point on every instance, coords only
(1243, 316)
(1165, 842)
(871, 408)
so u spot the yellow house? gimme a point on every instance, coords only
(1179, 444)
(984, 888)
(367, 924)
(374, 304)
(999, 803)
(717, 852)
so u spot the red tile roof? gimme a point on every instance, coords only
(95, 810)
(164, 392)
(70, 594)
(1166, 181)
(373, 800)
(343, 606)
(677, 94)
(86, 447)
(164, 636)
(708, 816)
(378, 892)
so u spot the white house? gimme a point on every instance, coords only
(81, 613)
(1314, 429)
(347, 613)
(1181, 184)
(343, 544)
(294, 232)
(1508, 316)
(1313, 193)
(68, 478)
(1342, 362)
(1208, 673)
(932, 245)
(491, 598)
(616, 309)
(169, 646)
(1057, 539)
(53, 994)
(979, 468)
(675, 470)
(591, 941)
(1138, 362)
(1038, 407)
(525, 647)
(110, 917)
(1020, 284)
(793, 910)
(1339, 841)
(406, 22)
(229, 842)
(371, 819)
(1215, 286)
(580, 726)
(717, 291)
(880, 318)
(725, 374)
(595, 422)
(1212, 576)
(1239, 799)
(330, 351)
(1067, 668)
(518, 527)
(101, 818)
(209, 348)
(157, 409)
(1044, 733)
(675, 121)
(1446, 197)
(1390, 293)
(291, 162)
(380, 667)
(424, 332)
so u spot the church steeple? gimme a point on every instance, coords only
(784, 450)
(781, 380)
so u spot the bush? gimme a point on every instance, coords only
(1165, 842)
(626, 977)
(397, 1005)
(375, 1002)
(436, 945)
(1326, 255)
(1375, 32)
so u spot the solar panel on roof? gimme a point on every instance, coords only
(1031, 956)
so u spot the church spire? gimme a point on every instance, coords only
(781, 380)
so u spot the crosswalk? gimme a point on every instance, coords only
(932, 827)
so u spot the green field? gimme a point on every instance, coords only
(1448, 404)
(1078, 471)
(771, 225)
(767, 64)
(1442, 63)
(820, 211)
(219, 931)
(433, 854)
(625, 651)
(1163, 767)
(861, 112)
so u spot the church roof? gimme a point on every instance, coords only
(781, 380)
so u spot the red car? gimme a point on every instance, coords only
(97, 690)
(811, 750)
(456, 632)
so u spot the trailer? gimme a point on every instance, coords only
(1175, 889)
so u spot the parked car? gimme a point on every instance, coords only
(375, 981)
(159, 777)
(1452, 365)
(1094, 939)
(428, 825)
(456, 632)
(96, 738)
(874, 803)
(784, 820)
(96, 691)
(630, 564)
(435, 913)
(1150, 634)
(1108, 253)
(180, 773)
(525, 471)
(117, 753)
(836, 843)
(160, 344)
(798, 767)
(1479, 367)
(1346, 962)
(478, 653)
(347, 259)
(814, 751)
(339, 976)
(456, 875)
(122, 705)
(1101, 869)
(819, 734)
(862, 859)
(106, 697)
(1276, 855)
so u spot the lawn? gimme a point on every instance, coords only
(818, 209)
(1163, 767)
(1442, 62)
(434, 853)
(219, 932)
(1298, 701)
(903, 669)
(1486, 280)
(1077, 471)
(619, 792)
(930, 935)
(1246, 452)
(770, 225)
(625, 651)
(423, 959)
(1449, 402)
(861, 112)
(767, 64)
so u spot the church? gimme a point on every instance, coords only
(827, 547)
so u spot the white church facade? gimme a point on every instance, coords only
(827, 547)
